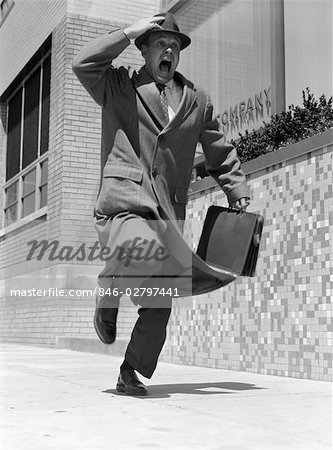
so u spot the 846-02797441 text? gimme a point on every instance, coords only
(139, 292)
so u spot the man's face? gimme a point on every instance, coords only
(162, 56)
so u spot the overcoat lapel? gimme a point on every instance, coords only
(149, 96)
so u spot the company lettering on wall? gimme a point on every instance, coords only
(247, 112)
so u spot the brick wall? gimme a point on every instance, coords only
(115, 11)
(37, 321)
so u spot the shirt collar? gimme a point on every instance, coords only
(170, 84)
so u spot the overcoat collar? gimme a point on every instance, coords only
(149, 96)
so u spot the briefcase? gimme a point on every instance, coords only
(231, 239)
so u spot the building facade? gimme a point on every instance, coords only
(253, 56)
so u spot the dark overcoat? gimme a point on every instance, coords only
(147, 162)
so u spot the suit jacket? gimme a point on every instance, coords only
(147, 162)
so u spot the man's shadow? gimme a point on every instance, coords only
(167, 390)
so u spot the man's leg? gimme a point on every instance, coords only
(149, 333)
(147, 340)
(148, 337)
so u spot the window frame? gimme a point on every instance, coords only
(37, 163)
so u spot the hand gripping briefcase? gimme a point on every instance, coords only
(231, 239)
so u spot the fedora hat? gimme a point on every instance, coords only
(169, 25)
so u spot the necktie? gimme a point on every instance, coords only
(164, 101)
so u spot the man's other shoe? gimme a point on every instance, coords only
(105, 319)
(129, 383)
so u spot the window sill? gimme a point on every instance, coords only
(22, 222)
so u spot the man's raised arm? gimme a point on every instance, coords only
(93, 62)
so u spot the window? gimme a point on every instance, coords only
(232, 41)
(28, 107)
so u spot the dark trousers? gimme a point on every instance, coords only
(147, 339)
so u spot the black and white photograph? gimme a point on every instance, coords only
(166, 224)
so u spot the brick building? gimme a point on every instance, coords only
(50, 132)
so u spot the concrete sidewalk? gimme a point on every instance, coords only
(60, 399)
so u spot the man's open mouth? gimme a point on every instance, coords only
(165, 66)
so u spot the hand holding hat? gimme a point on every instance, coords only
(142, 26)
(166, 22)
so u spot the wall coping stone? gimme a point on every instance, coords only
(288, 153)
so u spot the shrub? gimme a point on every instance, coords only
(287, 127)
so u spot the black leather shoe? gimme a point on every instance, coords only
(129, 383)
(105, 320)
